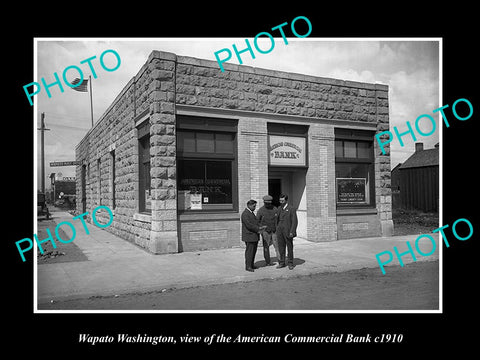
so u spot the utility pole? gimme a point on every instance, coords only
(43, 129)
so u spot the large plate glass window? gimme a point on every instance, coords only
(354, 168)
(206, 164)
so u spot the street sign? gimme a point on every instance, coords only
(65, 163)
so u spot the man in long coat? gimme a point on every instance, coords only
(286, 230)
(250, 234)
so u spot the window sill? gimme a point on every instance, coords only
(146, 218)
(209, 216)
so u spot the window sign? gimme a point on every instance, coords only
(351, 190)
(205, 185)
(287, 150)
(196, 201)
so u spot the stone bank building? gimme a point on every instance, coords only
(184, 146)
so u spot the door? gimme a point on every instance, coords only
(293, 183)
(275, 190)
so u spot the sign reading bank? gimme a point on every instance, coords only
(287, 150)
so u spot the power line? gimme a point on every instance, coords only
(69, 127)
(63, 116)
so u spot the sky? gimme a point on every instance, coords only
(410, 67)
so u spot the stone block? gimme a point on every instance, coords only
(157, 96)
(157, 205)
(163, 242)
(169, 183)
(157, 129)
(172, 173)
(171, 150)
(170, 225)
(171, 204)
(158, 150)
(159, 194)
(164, 161)
(158, 173)
(246, 105)
(216, 102)
(387, 227)
(157, 226)
(167, 108)
(185, 89)
(162, 75)
(230, 104)
(162, 140)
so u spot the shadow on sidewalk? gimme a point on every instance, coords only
(262, 263)
(63, 252)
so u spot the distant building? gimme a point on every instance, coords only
(395, 183)
(63, 189)
(417, 180)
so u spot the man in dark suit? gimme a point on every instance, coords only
(250, 234)
(286, 230)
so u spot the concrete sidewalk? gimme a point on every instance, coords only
(116, 266)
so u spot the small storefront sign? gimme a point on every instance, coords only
(351, 190)
(287, 150)
(196, 201)
(65, 163)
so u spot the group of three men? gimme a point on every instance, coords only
(277, 226)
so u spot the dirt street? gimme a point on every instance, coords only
(413, 287)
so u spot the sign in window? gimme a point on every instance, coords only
(205, 184)
(351, 190)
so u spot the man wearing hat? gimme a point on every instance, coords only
(250, 232)
(267, 216)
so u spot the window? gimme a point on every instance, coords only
(144, 196)
(206, 164)
(354, 168)
(88, 176)
(208, 180)
(202, 142)
(112, 169)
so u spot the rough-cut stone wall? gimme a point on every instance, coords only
(113, 131)
(200, 83)
(163, 235)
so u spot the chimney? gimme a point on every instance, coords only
(418, 146)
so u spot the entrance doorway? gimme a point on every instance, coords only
(293, 183)
(275, 190)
